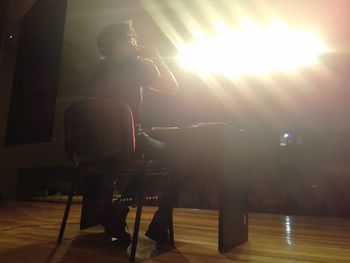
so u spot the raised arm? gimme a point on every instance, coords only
(165, 82)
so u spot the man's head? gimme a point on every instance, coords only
(117, 40)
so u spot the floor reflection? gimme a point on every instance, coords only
(288, 230)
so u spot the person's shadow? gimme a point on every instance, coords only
(90, 247)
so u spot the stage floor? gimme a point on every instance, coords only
(28, 233)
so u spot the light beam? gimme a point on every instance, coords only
(251, 49)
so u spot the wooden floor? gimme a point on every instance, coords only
(28, 232)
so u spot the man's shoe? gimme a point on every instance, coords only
(115, 221)
(123, 241)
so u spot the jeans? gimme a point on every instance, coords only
(152, 149)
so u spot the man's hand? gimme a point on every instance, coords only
(166, 82)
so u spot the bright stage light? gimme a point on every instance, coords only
(251, 49)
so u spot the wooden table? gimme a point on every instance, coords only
(216, 150)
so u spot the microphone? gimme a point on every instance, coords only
(163, 58)
(143, 52)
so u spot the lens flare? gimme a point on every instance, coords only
(251, 49)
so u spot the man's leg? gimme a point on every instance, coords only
(158, 228)
(116, 214)
(157, 150)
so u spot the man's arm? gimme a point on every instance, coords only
(165, 82)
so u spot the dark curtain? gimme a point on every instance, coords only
(32, 107)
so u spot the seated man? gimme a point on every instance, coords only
(122, 74)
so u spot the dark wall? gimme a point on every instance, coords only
(33, 101)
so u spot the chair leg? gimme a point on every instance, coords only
(68, 205)
(137, 225)
(171, 231)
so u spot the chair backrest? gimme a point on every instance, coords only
(98, 129)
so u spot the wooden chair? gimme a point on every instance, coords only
(100, 136)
